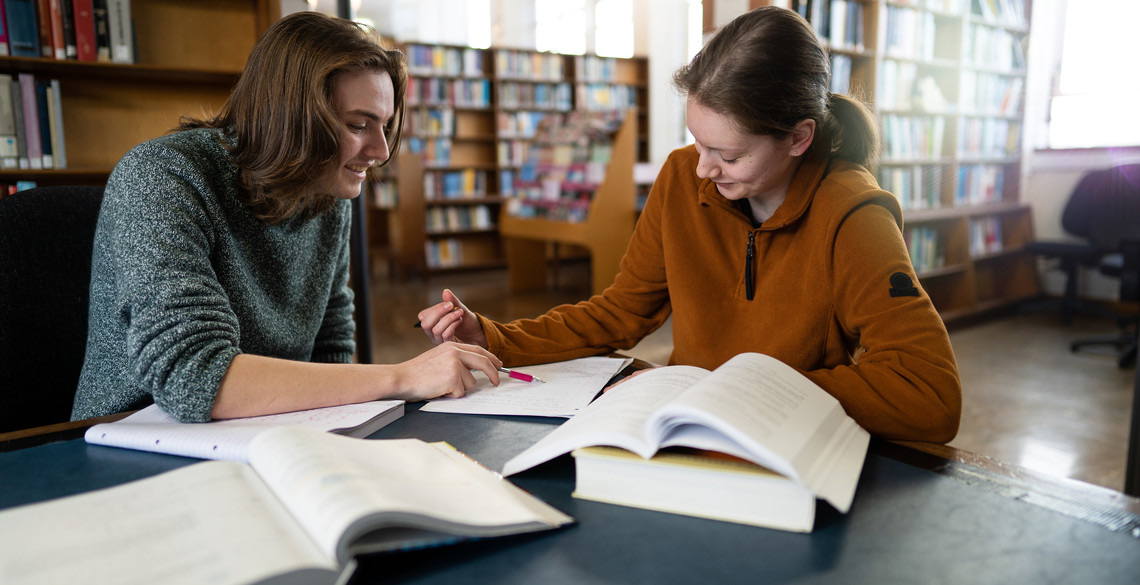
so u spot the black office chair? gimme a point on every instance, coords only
(46, 237)
(1124, 266)
(1099, 211)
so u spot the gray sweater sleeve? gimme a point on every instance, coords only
(184, 279)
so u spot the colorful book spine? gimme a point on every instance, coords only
(3, 31)
(31, 121)
(84, 29)
(23, 31)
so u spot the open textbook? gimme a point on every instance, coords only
(151, 429)
(752, 407)
(308, 503)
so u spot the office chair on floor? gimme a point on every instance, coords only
(1126, 267)
(1099, 210)
(46, 237)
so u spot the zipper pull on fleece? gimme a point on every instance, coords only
(749, 256)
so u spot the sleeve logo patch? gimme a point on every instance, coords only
(901, 286)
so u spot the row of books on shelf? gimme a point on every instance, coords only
(458, 218)
(916, 187)
(511, 153)
(910, 33)
(985, 235)
(994, 48)
(591, 68)
(988, 137)
(605, 96)
(542, 96)
(385, 195)
(518, 124)
(443, 252)
(838, 22)
(460, 93)
(979, 184)
(79, 30)
(446, 61)
(841, 69)
(460, 184)
(925, 248)
(572, 209)
(527, 65)
(7, 189)
(900, 88)
(1008, 12)
(31, 123)
(430, 122)
(990, 94)
(908, 137)
(435, 150)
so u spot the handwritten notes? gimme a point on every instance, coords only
(569, 387)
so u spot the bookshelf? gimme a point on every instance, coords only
(110, 107)
(471, 115)
(590, 209)
(946, 81)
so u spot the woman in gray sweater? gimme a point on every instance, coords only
(219, 283)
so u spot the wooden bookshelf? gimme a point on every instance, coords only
(189, 54)
(604, 232)
(946, 80)
(472, 113)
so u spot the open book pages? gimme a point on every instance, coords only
(298, 513)
(753, 407)
(151, 429)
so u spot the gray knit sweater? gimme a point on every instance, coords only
(184, 278)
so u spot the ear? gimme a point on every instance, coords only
(801, 137)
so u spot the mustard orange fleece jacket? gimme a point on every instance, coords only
(825, 279)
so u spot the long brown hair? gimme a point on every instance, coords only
(767, 71)
(284, 128)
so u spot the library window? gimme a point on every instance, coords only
(613, 33)
(560, 26)
(1093, 103)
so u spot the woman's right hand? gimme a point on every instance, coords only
(444, 371)
(450, 320)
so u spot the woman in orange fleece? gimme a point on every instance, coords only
(767, 235)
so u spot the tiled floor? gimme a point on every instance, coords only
(1027, 399)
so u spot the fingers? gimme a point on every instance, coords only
(440, 321)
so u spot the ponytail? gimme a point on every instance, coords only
(850, 129)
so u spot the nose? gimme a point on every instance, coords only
(705, 168)
(377, 147)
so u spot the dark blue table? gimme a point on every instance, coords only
(916, 519)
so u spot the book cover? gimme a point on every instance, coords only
(121, 31)
(43, 115)
(23, 31)
(692, 482)
(303, 510)
(21, 134)
(31, 120)
(9, 149)
(59, 145)
(67, 17)
(84, 19)
(3, 31)
(51, 29)
(102, 31)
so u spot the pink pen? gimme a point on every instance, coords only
(521, 376)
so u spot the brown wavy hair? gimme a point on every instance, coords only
(767, 71)
(285, 132)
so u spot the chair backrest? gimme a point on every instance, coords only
(1105, 207)
(46, 237)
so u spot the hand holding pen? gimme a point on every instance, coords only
(450, 320)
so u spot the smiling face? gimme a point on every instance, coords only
(744, 165)
(365, 103)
